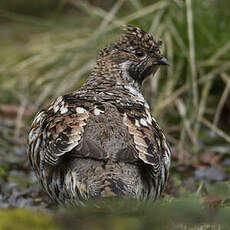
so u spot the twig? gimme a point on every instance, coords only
(187, 122)
(204, 78)
(223, 50)
(192, 52)
(202, 105)
(145, 11)
(215, 129)
(223, 98)
(18, 122)
(110, 16)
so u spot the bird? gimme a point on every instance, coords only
(102, 140)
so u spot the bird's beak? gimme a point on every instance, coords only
(162, 61)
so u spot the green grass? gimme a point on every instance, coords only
(24, 219)
(180, 214)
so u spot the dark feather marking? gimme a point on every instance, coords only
(101, 107)
(120, 109)
(131, 118)
(147, 141)
(113, 185)
(150, 148)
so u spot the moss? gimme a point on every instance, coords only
(23, 220)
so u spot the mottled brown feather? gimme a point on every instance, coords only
(101, 140)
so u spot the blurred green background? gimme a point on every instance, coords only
(49, 47)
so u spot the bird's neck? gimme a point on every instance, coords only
(111, 74)
(112, 80)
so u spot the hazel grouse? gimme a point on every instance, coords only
(101, 140)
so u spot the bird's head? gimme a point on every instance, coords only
(136, 53)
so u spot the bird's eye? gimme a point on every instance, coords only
(139, 53)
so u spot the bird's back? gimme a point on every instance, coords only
(81, 147)
(101, 140)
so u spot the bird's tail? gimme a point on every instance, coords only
(95, 179)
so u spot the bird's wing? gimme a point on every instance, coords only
(148, 138)
(56, 130)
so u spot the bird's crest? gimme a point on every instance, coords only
(133, 38)
(136, 36)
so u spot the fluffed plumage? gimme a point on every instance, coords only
(101, 140)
